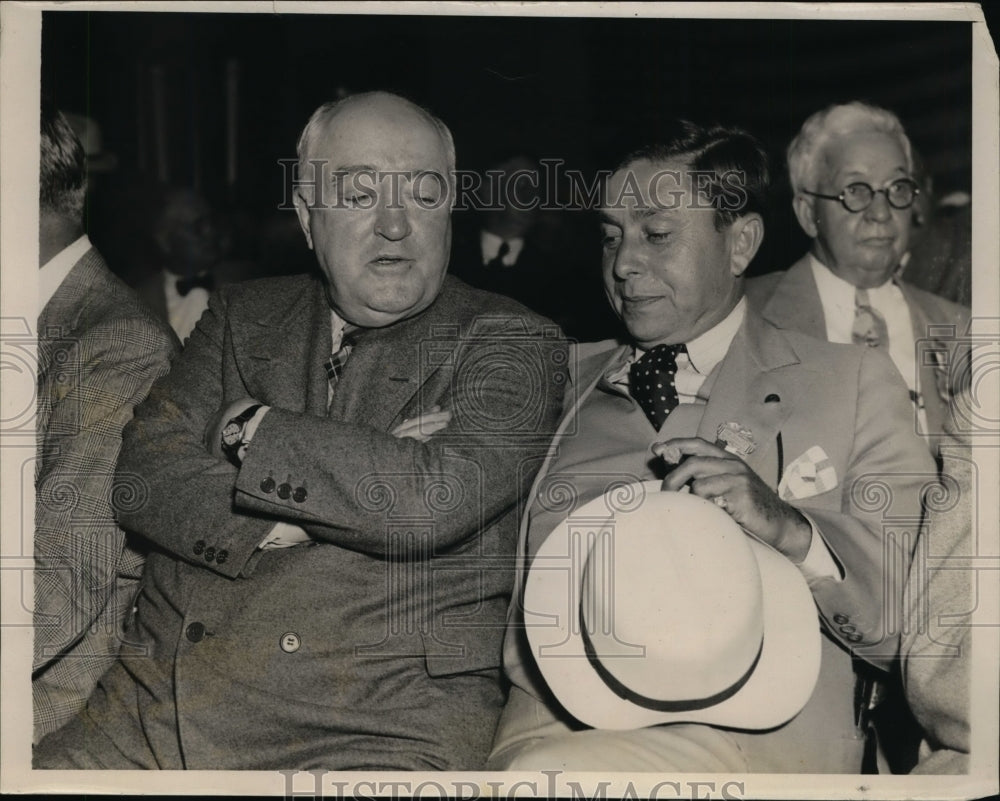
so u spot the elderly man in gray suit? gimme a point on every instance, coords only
(331, 474)
(99, 351)
(851, 168)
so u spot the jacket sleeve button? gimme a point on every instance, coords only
(221, 556)
(840, 619)
(284, 491)
(300, 494)
(854, 638)
(209, 554)
(199, 546)
(267, 485)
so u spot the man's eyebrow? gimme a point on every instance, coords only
(608, 219)
(349, 168)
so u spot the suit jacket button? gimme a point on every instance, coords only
(267, 485)
(199, 546)
(209, 554)
(284, 491)
(195, 632)
(854, 638)
(300, 494)
(290, 642)
(221, 556)
(840, 619)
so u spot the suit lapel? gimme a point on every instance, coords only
(921, 322)
(382, 374)
(390, 365)
(280, 348)
(751, 389)
(795, 303)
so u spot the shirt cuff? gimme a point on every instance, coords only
(250, 429)
(819, 562)
(284, 535)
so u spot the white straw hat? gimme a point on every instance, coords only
(666, 611)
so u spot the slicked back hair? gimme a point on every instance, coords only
(730, 158)
(62, 167)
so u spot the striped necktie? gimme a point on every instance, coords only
(869, 326)
(335, 364)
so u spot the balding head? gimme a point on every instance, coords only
(374, 108)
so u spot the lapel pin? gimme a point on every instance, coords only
(736, 439)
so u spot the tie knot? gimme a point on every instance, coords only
(662, 354)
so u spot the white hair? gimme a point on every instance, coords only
(834, 122)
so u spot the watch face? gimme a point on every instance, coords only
(231, 433)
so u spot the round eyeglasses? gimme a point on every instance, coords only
(859, 195)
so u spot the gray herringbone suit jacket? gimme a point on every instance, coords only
(378, 645)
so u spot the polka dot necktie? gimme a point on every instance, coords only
(651, 382)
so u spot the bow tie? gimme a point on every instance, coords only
(203, 280)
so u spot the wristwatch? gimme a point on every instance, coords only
(232, 434)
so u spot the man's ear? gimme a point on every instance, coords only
(746, 234)
(302, 212)
(805, 213)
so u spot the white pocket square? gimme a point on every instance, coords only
(811, 474)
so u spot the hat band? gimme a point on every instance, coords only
(655, 704)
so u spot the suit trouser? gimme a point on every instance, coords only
(822, 738)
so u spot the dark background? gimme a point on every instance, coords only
(558, 87)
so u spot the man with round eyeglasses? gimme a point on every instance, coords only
(851, 169)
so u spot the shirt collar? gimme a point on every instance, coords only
(708, 349)
(704, 352)
(490, 245)
(54, 271)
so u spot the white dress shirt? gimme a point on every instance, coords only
(54, 271)
(489, 244)
(837, 298)
(183, 311)
(704, 353)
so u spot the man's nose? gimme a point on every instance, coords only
(392, 220)
(628, 259)
(879, 210)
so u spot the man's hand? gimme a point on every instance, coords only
(719, 476)
(213, 431)
(423, 426)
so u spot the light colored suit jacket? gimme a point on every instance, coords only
(99, 351)
(791, 300)
(841, 398)
(378, 645)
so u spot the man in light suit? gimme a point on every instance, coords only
(802, 442)
(332, 570)
(851, 169)
(99, 351)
